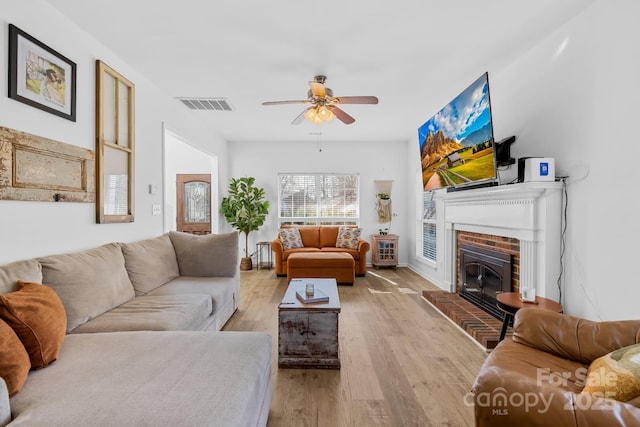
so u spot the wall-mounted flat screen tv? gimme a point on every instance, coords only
(456, 144)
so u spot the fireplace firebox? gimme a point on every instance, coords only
(484, 273)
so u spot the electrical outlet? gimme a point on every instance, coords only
(157, 210)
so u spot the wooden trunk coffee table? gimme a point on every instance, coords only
(510, 303)
(308, 333)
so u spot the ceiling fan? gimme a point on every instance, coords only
(324, 106)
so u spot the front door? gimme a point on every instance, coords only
(193, 203)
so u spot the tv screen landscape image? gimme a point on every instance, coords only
(456, 144)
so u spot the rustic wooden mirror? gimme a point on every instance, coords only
(114, 146)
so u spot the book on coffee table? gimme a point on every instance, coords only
(318, 296)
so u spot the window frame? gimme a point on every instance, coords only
(429, 218)
(319, 186)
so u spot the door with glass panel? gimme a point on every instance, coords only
(193, 203)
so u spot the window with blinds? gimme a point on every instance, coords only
(318, 199)
(429, 226)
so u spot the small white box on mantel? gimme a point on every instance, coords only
(538, 169)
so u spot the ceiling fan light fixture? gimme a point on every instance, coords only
(312, 116)
(319, 114)
(325, 114)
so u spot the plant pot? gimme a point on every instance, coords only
(246, 264)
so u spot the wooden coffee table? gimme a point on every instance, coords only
(308, 333)
(510, 303)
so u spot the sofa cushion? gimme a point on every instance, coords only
(151, 379)
(89, 283)
(14, 359)
(353, 252)
(615, 375)
(286, 254)
(328, 236)
(209, 255)
(186, 312)
(348, 237)
(37, 316)
(217, 288)
(310, 236)
(150, 263)
(290, 238)
(28, 270)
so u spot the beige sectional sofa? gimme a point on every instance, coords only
(143, 345)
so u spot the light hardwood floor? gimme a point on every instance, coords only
(403, 363)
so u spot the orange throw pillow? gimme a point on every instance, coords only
(14, 360)
(37, 316)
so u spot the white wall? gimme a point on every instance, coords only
(372, 160)
(29, 229)
(573, 96)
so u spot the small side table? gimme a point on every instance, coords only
(509, 303)
(260, 261)
(384, 250)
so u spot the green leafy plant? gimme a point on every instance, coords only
(245, 208)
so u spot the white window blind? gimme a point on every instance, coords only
(116, 195)
(429, 226)
(314, 199)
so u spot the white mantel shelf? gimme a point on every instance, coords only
(530, 212)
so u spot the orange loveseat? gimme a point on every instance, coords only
(319, 239)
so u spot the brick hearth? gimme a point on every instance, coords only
(479, 324)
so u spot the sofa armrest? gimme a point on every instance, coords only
(5, 408)
(276, 245)
(571, 337)
(363, 247)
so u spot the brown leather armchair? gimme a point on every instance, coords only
(535, 379)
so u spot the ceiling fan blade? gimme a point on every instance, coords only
(299, 101)
(356, 100)
(318, 89)
(300, 117)
(341, 115)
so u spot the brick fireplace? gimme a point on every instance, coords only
(486, 265)
(518, 223)
(521, 219)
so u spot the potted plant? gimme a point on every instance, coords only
(246, 210)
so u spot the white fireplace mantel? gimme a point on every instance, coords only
(530, 212)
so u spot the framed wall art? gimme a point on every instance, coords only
(41, 77)
(115, 134)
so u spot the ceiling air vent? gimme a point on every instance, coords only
(212, 104)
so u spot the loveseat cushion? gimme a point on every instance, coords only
(150, 263)
(37, 316)
(290, 238)
(348, 237)
(27, 270)
(353, 252)
(328, 236)
(89, 283)
(150, 379)
(153, 313)
(310, 236)
(286, 254)
(209, 255)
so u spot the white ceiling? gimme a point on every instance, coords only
(414, 55)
